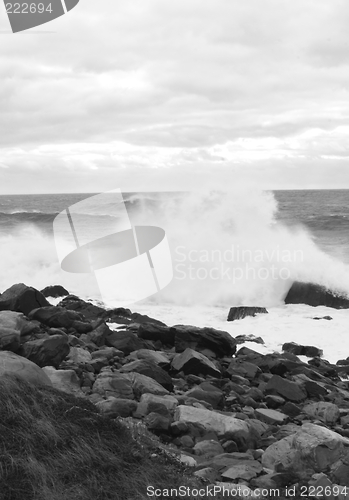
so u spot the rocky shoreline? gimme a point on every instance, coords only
(261, 423)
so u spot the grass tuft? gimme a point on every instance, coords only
(54, 446)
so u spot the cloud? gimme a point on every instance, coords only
(187, 87)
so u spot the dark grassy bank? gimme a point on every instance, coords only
(54, 446)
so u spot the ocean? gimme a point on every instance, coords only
(243, 247)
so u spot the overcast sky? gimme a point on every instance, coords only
(174, 95)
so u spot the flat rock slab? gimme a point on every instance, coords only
(17, 366)
(271, 416)
(311, 449)
(245, 470)
(202, 339)
(64, 380)
(113, 384)
(219, 423)
(194, 362)
(244, 311)
(285, 388)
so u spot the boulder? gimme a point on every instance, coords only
(240, 339)
(13, 365)
(64, 380)
(285, 388)
(49, 350)
(225, 426)
(244, 368)
(117, 407)
(22, 298)
(302, 350)
(12, 325)
(315, 295)
(157, 423)
(208, 448)
(58, 317)
(150, 369)
(155, 332)
(207, 392)
(201, 339)
(158, 357)
(88, 310)
(194, 362)
(99, 334)
(125, 341)
(78, 355)
(113, 384)
(147, 401)
(54, 291)
(141, 384)
(312, 449)
(244, 311)
(246, 470)
(272, 417)
(323, 411)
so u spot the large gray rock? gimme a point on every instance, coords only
(150, 369)
(13, 365)
(78, 355)
(326, 412)
(155, 332)
(194, 362)
(315, 295)
(64, 380)
(224, 426)
(244, 311)
(311, 449)
(271, 416)
(50, 350)
(207, 392)
(286, 388)
(22, 298)
(12, 325)
(57, 317)
(113, 384)
(141, 384)
(148, 401)
(201, 339)
(158, 357)
(126, 341)
(99, 334)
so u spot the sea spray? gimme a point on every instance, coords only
(229, 248)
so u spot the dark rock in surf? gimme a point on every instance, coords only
(315, 295)
(302, 350)
(219, 342)
(152, 331)
(54, 291)
(22, 298)
(57, 317)
(244, 311)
